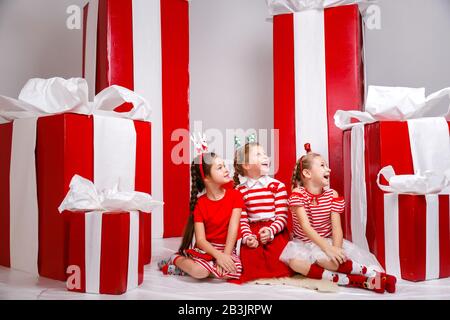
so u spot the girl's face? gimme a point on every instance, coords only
(319, 173)
(259, 162)
(219, 172)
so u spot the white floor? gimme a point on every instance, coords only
(18, 285)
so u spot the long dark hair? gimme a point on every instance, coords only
(198, 185)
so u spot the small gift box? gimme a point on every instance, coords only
(105, 240)
(416, 225)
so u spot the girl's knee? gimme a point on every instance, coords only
(199, 273)
(300, 266)
(329, 265)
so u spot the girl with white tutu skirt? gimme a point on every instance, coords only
(318, 249)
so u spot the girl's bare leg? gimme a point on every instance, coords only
(190, 267)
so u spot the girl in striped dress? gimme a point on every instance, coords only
(264, 218)
(214, 219)
(318, 249)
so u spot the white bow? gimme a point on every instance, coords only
(427, 182)
(394, 103)
(41, 97)
(289, 6)
(84, 196)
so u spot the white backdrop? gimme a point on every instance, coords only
(231, 52)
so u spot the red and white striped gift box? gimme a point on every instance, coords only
(416, 236)
(38, 159)
(104, 252)
(143, 45)
(409, 234)
(318, 69)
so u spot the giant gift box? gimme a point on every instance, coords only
(41, 152)
(144, 46)
(318, 69)
(407, 230)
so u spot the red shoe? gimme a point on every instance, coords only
(390, 281)
(364, 282)
(377, 284)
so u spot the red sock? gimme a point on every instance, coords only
(319, 273)
(390, 281)
(375, 284)
(351, 267)
(346, 267)
(315, 271)
(175, 258)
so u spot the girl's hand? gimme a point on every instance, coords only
(252, 242)
(225, 262)
(265, 235)
(220, 271)
(335, 254)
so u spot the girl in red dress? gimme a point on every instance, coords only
(318, 249)
(214, 220)
(264, 219)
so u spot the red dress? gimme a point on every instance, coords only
(266, 206)
(215, 216)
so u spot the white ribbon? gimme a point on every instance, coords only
(84, 196)
(41, 97)
(289, 6)
(430, 145)
(311, 119)
(24, 213)
(394, 103)
(93, 250)
(358, 201)
(427, 183)
(392, 236)
(430, 150)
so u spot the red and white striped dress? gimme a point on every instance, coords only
(265, 202)
(319, 209)
(265, 199)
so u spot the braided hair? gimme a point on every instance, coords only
(197, 186)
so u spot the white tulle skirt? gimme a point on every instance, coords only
(309, 251)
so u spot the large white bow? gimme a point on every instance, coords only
(394, 103)
(84, 196)
(289, 6)
(41, 97)
(427, 182)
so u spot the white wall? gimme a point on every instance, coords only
(35, 42)
(231, 56)
(231, 52)
(413, 46)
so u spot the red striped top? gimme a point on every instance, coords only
(264, 199)
(318, 212)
